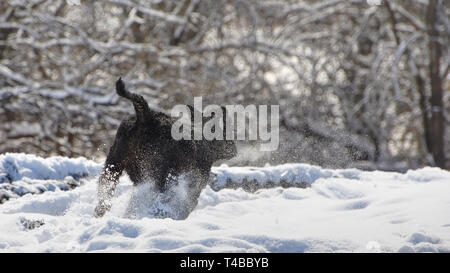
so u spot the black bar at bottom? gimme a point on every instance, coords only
(224, 262)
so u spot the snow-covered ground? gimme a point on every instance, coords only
(324, 211)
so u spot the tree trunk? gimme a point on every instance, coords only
(436, 127)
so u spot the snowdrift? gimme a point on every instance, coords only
(287, 208)
(22, 174)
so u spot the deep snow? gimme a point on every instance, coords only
(341, 211)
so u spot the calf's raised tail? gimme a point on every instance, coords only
(139, 103)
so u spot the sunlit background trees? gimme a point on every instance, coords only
(360, 83)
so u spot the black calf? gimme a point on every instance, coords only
(145, 149)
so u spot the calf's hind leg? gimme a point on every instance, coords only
(109, 178)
